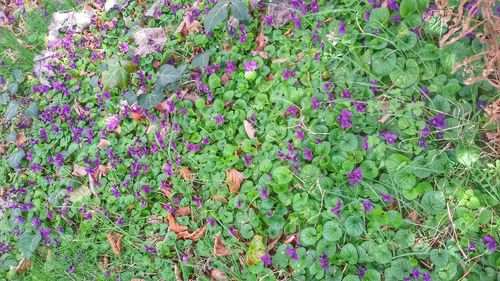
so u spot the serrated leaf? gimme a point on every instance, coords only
(216, 15)
(239, 10)
(147, 101)
(168, 74)
(28, 242)
(11, 111)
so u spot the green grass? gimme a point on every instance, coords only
(18, 48)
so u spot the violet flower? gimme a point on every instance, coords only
(337, 208)
(355, 176)
(266, 259)
(344, 119)
(491, 243)
(367, 205)
(324, 261)
(293, 253)
(250, 65)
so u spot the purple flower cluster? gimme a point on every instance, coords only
(355, 176)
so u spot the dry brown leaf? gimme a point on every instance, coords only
(154, 219)
(174, 226)
(413, 215)
(220, 249)
(23, 265)
(114, 240)
(218, 198)
(103, 143)
(21, 138)
(79, 109)
(186, 174)
(234, 180)
(249, 129)
(384, 118)
(137, 116)
(78, 171)
(197, 234)
(262, 41)
(218, 275)
(183, 211)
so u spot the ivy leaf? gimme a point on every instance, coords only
(12, 88)
(201, 60)
(28, 242)
(32, 110)
(239, 10)
(332, 231)
(168, 74)
(433, 202)
(216, 15)
(18, 76)
(404, 75)
(117, 74)
(11, 111)
(15, 158)
(383, 62)
(147, 101)
(354, 226)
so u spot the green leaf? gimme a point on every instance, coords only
(11, 111)
(354, 226)
(405, 180)
(12, 88)
(28, 242)
(439, 257)
(406, 41)
(383, 62)
(4, 98)
(433, 202)
(168, 74)
(214, 81)
(18, 76)
(149, 100)
(395, 161)
(308, 236)
(32, 110)
(467, 155)
(256, 249)
(404, 75)
(349, 142)
(332, 231)
(371, 275)
(216, 15)
(428, 52)
(239, 10)
(117, 73)
(349, 253)
(15, 158)
(440, 103)
(408, 7)
(282, 175)
(201, 60)
(379, 17)
(351, 277)
(400, 268)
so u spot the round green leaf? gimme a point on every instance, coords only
(332, 231)
(404, 75)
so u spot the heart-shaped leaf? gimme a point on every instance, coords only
(216, 15)
(404, 75)
(168, 74)
(239, 10)
(117, 73)
(150, 100)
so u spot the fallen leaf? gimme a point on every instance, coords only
(78, 171)
(79, 109)
(218, 275)
(256, 249)
(281, 12)
(21, 138)
(234, 180)
(384, 118)
(413, 215)
(103, 143)
(154, 219)
(174, 226)
(262, 41)
(149, 40)
(183, 211)
(23, 265)
(114, 240)
(78, 20)
(197, 234)
(110, 4)
(186, 174)
(137, 116)
(249, 129)
(220, 249)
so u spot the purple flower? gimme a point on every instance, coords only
(342, 26)
(472, 247)
(230, 67)
(149, 249)
(324, 261)
(193, 147)
(346, 94)
(292, 110)
(219, 119)
(426, 277)
(71, 269)
(308, 155)
(36, 222)
(292, 253)
(337, 208)
(232, 231)
(374, 88)
(287, 74)
(392, 5)
(266, 259)
(314, 103)
(367, 205)
(264, 193)
(360, 106)
(211, 221)
(390, 138)
(355, 176)
(491, 243)
(422, 143)
(386, 197)
(124, 47)
(361, 272)
(248, 159)
(344, 119)
(364, 143)
(250, 65)
(438, 121)
(415, 273)
(299, 134)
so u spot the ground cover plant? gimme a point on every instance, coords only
(249, 140)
